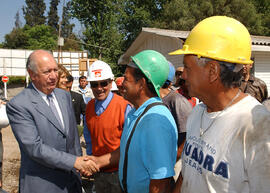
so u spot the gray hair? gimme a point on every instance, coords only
(31, 61)
(230, 73)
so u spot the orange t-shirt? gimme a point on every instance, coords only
(106, 129)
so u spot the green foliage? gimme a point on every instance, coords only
(72, 43)
(66, 26)
(18, 23)
(263, 9)
(136, 14)
(16, 80)
(183, 15)
(34, 12)
(53, 15)
(35, 34)
(101, 36)
(38, 37)
(41, 37)
(16, 39)
(112, 25)
(176, 15)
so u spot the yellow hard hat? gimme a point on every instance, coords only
(220, 38)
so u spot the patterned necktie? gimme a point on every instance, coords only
(53, 108)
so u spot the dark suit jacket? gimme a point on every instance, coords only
(78, 105)
(48, 151)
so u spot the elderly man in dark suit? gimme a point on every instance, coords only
(44, 125)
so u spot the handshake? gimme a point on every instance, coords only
(87, 165)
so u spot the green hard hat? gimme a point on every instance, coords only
(154, 66)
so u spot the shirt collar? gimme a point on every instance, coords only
(145, 104)
(41, 93)
(83, 90)
(105, 102)
(251, 78)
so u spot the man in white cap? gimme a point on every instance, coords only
(104, 116)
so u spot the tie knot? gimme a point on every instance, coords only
(49, 97)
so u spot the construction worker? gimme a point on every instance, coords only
(149, 141)
(227, 146)
(119, 83)
(114, 88)
(182, 88)
(178, 80)
(84, 90)
(180, 109)
(104, 117)
(253, 85)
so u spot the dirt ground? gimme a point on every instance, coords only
(12, 156)
(11, 161)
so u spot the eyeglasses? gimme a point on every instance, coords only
(102, 84)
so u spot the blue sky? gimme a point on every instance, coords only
(8, 10)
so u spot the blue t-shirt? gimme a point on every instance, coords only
(153, 147)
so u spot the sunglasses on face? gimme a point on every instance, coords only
(102, 84)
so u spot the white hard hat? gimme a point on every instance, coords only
(114, 87)
(99, 70)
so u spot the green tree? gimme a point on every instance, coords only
(136, 14)
(34, 12)
(16, 39)
(263, 8)
(38, 37)
(176, 15)
(53, 18)
(183, 15)
(41, 37)
(111, 26)
(102, 36)
(72, 43)
(18, 23)
(66, 26)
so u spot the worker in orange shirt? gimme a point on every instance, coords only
(104, 116)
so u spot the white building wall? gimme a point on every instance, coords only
(262, 67)
(13, 62)
(164, 45)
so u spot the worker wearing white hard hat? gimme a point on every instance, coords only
(104, 119)
(115, 88)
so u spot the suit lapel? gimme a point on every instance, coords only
(42, 107)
